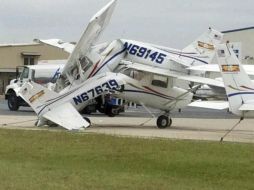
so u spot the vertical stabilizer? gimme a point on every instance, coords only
(36, 95)
(203, 48)
(238, 85)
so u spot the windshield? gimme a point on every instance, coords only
(86, 63)
(24, 74)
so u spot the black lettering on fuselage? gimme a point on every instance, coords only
(77, 100)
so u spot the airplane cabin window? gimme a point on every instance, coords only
(137, 75)
(127, 72)
(160, 81)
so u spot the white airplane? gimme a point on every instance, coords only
(135, 71)
(239, 87)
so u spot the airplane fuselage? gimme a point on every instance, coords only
(159, 93)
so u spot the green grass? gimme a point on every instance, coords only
(44, 160)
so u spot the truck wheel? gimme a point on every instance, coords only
(13, 102)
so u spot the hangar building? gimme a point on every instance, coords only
(245, 36)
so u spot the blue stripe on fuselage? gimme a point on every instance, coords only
(240, 93)
(118, 53)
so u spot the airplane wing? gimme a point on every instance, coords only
(205, 68)
(96, 25)
(66, 116)
(218, 105)
(215, 68)
(168, 73)
(246, 107)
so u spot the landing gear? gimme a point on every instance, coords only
(163, 122)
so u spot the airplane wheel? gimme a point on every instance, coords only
(163, 122)
(88, 120)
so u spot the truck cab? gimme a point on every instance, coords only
(42, 74)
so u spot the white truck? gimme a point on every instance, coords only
(42, 74)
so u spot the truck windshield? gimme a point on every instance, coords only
(24, 74)
(44, 76)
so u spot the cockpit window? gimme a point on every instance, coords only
(85, 63)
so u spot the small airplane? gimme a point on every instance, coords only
(135, 71)
(239, 87)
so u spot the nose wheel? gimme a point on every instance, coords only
(164, 122)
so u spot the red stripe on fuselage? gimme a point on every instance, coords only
(247, 87)
(96, 65)
(146, 87)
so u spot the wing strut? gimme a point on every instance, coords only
(146, 108)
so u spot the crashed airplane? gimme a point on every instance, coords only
(135, 71)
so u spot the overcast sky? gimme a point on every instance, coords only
(173, 23)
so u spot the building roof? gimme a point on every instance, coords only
(19, 44)
(239, 29)
(66, 46)
(52, 62)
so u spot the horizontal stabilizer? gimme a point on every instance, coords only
(202, 80)
(247, 107)
(66, 116)
(36, 95)
(215, 68)
(218, 105)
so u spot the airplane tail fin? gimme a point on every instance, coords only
(239, 87)
(202, 50)
(43, 101)
(36, 95)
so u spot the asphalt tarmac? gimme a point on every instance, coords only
(191, 123)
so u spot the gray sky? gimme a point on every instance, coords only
(173, 23)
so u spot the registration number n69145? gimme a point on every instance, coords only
(145, 53)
